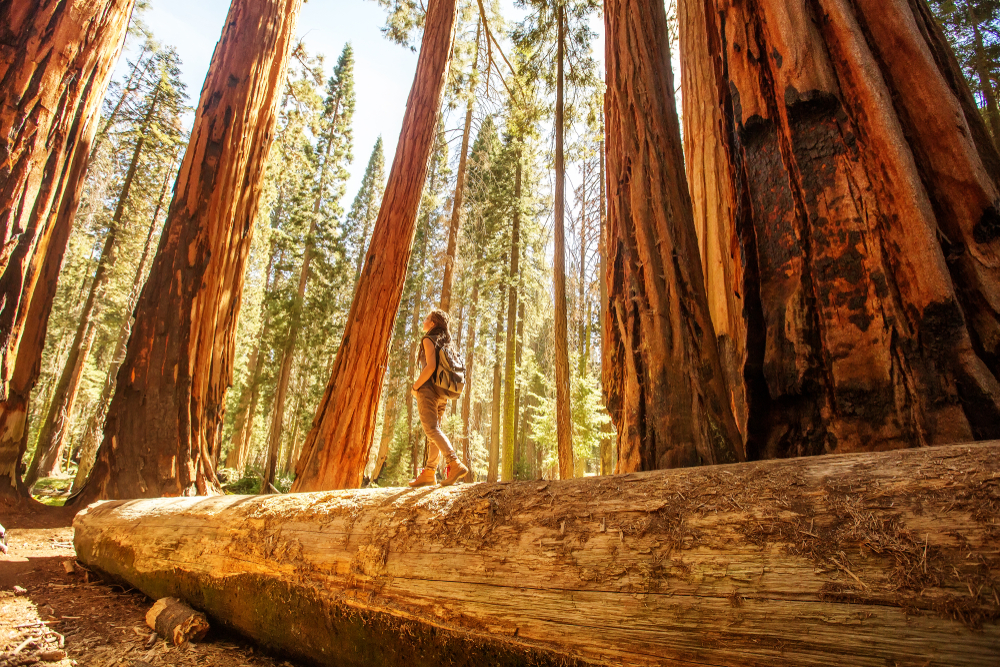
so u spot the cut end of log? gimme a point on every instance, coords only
(176, 622)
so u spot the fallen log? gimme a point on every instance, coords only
(878, 559)
(176, 622)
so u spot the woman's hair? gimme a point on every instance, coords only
(441, 333)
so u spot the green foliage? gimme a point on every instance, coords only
(973, 30)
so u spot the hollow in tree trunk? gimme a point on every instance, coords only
(166, 415)
(336, 449)
(56, 60)
(662, 376)
(853, 172)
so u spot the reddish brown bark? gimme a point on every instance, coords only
(662, 375)
(846, 192)
(166, 415)
(564, 420)
(336, 450)
(496, 403)
(56, 60)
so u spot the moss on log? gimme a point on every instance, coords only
(860, 559)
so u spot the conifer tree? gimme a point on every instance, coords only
(328, 176)
(154, 133)
(364, 210)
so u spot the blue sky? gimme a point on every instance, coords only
(383, 71)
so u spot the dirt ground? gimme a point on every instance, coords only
(55, 618)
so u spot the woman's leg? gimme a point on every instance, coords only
(431, 409)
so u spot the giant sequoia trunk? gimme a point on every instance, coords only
(863, 560)
(336, 449)
(846, 191)
(56, 60)
(662, 376)
(166, 415)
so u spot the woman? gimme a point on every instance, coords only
(431, 405)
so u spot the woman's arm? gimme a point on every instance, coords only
(429, 355)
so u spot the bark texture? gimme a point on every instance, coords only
(510, 349)
(336, 450)
(662, 377)
(56, 60)
(864, 560)
(846, 196)
(564, 418)
(166, 416)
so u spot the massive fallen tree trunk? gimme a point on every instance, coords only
(863, 559)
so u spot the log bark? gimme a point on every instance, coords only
(166, 415)
(662, 376)
(846, 192)
(177, 622)
(863, 560)
(56, 61)
(336, 449)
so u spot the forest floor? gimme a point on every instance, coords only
(56, 618)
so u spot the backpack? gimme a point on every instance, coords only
(449, 374)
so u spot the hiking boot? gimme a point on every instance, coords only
(456, 471)
(427, 477)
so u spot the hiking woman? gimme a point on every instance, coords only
(431, 405)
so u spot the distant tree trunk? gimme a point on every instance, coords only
(582, 276)
(336, 449)
(853, 171)
(167, 412)
(607, 437)
(497, 397)
(286, 467)
(510, 367)
(470, 363)
(518, 433)
(52, 436)
(388, 426)
(295, 322)
(56, 60)
(412, 437)
(985, 84)
(661, 368)
(564, 420)
(456, 204)
(91, 438)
